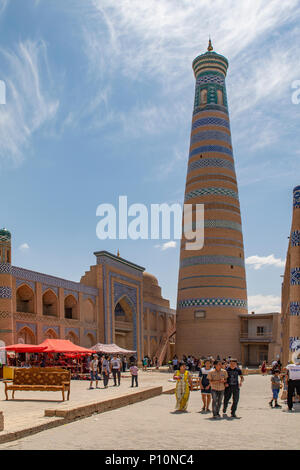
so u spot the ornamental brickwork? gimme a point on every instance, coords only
(212, 282)
(107, 305)
(290, 306)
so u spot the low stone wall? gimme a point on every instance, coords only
(254, 371)
(71, 413)
(67, 413)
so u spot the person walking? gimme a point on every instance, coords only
(175, 363)
(105, 371)
(217, 379)
(145, 363)
(115, 368)
(182, 391)
(134, 374)
(263, 368)
(205, 385)
(276, 386)
(124, 363)
(232, 386)
(94, 365)
(293, 381)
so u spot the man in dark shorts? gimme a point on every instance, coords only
(232, 386)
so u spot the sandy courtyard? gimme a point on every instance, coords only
(152, 424)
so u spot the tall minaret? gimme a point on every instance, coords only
(212, 281)
(291, 287)
(6, 310)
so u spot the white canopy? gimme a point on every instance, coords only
(111, 349)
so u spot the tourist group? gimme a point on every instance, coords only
(221, 380)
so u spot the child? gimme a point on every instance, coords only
(134, 374)
(276, 386)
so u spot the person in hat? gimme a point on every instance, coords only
(94, 365)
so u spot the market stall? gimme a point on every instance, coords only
(8, 370)
(71, 356)
(111, 349)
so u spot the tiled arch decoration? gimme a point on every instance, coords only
(31, 326)
(54, 328)
(121, 290)
(72, 330)
(70, 292)
(91, 332)
(21, 282)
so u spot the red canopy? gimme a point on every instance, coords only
(21, 348)
(111, 349)
(63, 346)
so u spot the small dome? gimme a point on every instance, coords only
(5, 235)
(150, 278)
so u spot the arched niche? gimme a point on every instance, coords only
(50, 334)
(71, 307)
(89, 311)
(26, 335)
(25, 299)
(124, 326)
(50, 303)
(71, 336)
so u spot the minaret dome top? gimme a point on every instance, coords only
(5, 235)
(210, 63)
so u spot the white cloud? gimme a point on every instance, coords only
(24, 247)
(3, 5)
(167, 245)
(155, 42)
(28, 107)
(264, 303)
(164, 32)
(259, 261)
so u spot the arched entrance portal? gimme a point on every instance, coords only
(124, 314)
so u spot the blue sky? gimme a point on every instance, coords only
(99, 104)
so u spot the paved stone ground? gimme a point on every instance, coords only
(152, 424)
(27, 409)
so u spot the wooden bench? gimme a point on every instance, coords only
(39, 379)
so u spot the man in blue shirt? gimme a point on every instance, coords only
(232, 386)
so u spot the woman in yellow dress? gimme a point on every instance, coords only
(182, 392)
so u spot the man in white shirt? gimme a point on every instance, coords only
(293, 381)
(115, 368)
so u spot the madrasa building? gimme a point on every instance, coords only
(116, 301)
